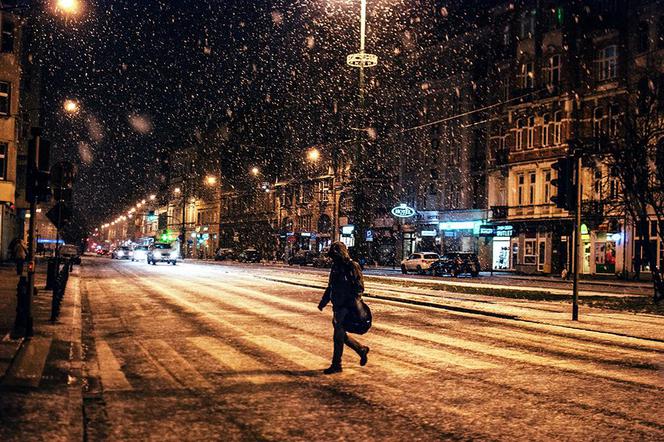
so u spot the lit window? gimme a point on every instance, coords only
(521, 182)
(546, 123)
(519, 134)
(552, 71)
(529, 252)
(526, 76)
(607, 63)
(546, 178)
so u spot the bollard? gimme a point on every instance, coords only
(23, 322)
(51, 273)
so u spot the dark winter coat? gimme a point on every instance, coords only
(346, 283)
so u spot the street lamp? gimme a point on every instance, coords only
(69, 7)
(152, 197)
(177, 190)
(211, 180)
(255, 171)
(71, 106)
(361, 59)
(313, 155)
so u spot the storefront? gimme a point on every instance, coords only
(500, 238)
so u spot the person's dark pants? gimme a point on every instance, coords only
(19, 266)
(341, 337)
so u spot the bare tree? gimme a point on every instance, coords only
(634, 150)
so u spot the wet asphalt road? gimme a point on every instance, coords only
(210, 352)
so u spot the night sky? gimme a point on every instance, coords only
(153, 76)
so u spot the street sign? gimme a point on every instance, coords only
(59, 215)
(403, 211)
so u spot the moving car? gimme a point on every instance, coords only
(123, 252)
(457, 263)
(302, 257)
(140, 253)
(69, 251)
(163, 252)
(418, 262)
(249, 255)
(223, 254)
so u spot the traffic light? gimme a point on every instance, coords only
(565, 197)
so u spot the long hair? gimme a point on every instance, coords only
(340, 251)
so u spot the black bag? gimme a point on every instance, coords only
(358, 319)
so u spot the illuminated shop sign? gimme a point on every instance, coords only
(347, 230)
(489, 231)
(403, 211)
(461, 225)
(506, 230)
(428, 233)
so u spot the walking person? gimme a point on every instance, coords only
(20, 254)
(345, 285)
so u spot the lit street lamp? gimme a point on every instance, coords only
(255, 171)
(71, 106)
(69, 7)
(211, 180)
(313, 154)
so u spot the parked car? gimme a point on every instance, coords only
(163, 252)
(322, 260)
(249, 255)
(140, 253)
(418, 262)
(223, 254)
(302, 257)
(123, 252)
(457, 263)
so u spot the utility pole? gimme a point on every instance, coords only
(33, 155)
(578, 247)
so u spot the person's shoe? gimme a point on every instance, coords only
(363, 356)
(333, 369)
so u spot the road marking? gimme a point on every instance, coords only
(432, 355)
(28, 367)
(288, 351)
(112, 377)
(245, 367)
(587, 369)
(172, 362)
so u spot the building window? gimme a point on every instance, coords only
(530, 133)
(557, 128)
(324, 187)
(597, 184)
(7, 34)
(615, 115)
(526, 76)
(520, 188)
(598, 122)
(520, 133)
(527, 25)
(546, 187)
(552, 71)
(5, 98)
(643, 37)
(4, 151)
(532, 187)
(607, 63)
(529, 252)
(546, 126)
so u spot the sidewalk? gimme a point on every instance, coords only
(40, 381)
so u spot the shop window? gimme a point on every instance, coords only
(515, 253)
(530, 252)
(606, 64)
(643, 37)
(4, 151)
